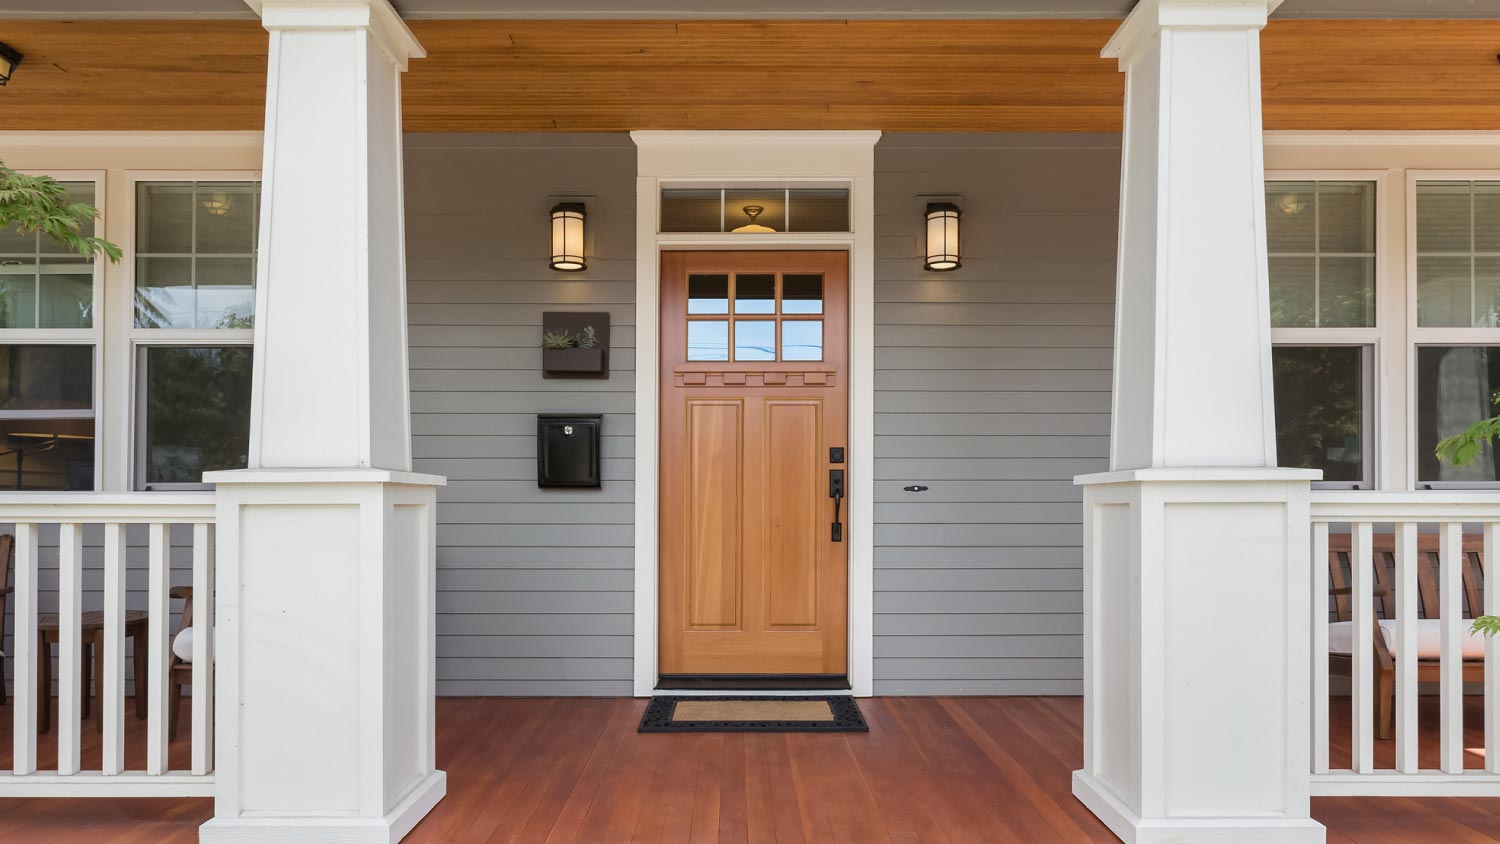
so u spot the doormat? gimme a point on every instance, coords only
(752, 714)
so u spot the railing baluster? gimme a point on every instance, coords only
(69, 645)
(24, 699)
(1491, 651)
(158, 625)
(203, 653)
(112, 683)
(1320, 647)
(1362, 603)
(1406, 647)
(1451, 657)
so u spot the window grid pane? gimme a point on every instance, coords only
(42, 283)
(196, 254)
(1458, 254)
(1321, 243)
(1321, 410)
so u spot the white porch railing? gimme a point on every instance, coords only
(32, 513)
(1408, 525)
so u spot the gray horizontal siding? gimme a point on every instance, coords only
(534, 586)
(992, 389)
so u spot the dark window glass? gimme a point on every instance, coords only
(1320, 410)
(197, 412)
(819, 211)
(1456, 386)
(46, 377)
(802, 293)
(46, 417)
(690, 210)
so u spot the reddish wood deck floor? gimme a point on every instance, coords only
(945, 770)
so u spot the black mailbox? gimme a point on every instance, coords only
(567, 450)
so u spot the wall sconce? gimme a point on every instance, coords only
(9, 58)
(942, 237)
(567, 237)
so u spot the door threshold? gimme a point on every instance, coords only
(754, 682)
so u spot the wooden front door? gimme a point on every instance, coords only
(754, 419)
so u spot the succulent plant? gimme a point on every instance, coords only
(587, 339)
(559, 339)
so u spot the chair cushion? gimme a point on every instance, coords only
(1429, 638)
(182, 644)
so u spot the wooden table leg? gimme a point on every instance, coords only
(44, 685)
(141, 680)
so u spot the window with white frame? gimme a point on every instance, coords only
(1456, 358)
(1321, 249)
(49, 336)
(194, 307)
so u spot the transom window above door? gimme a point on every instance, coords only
(755, 317)
(754, 210)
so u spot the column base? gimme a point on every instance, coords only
(294, 830)
(1134, 829)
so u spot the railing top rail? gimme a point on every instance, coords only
(1425, 506)
(107, 507)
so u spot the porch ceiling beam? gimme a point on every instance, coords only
(593, 76)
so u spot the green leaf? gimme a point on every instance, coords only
(41, 204)
(1489, 625)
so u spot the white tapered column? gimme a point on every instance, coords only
(1196, 546)
(325, 545)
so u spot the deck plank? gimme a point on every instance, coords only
(574, 771)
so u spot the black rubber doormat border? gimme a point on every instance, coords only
(660, 716)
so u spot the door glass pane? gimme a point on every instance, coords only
(690, 210)
(1456, 386)
(755, 211)
(755, 339)
(164, 293)
(802, 339)
(708, 340)
(1346, 291)
(708, 294)
(819, 210)
(755, 294)
(1320, 410)
(46, 377)
(802, 293)
(1293, 292)
(197, 411)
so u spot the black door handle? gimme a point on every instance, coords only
(836, 492)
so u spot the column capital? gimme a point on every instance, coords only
(1150, 17)
(377, 16)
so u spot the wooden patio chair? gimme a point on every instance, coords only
(180, 669)
(1341, 633)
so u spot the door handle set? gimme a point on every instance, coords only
(836, 492)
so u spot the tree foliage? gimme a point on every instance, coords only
(1464, 447)
(41, 204)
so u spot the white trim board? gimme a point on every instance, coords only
(754, 157)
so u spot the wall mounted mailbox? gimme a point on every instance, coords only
(567, 450)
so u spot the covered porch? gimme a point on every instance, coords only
(969, 770)
(1133, 488)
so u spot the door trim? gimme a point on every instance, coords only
(742, 159)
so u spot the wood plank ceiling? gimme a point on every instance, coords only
(607, 76)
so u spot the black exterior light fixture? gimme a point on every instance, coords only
(942, 237)
(567, 237)
(9, 58)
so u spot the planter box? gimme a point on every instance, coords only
(573, 360)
